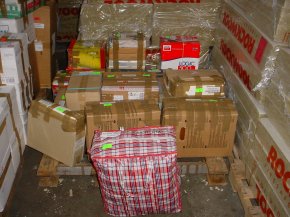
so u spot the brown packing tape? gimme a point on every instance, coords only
(2, 126)
(140, 57)
(3, 175)
(3, 8)
(116, 54)
(7, 96)
(72, 121)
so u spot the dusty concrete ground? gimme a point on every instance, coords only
(30, 200)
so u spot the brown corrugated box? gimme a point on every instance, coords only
(129, 89)
(195, 84)
(204, 128)
(123, 114)
(56, 131)
(44, 45)
(83, 88)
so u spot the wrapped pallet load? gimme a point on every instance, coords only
(273, 17)
(255, 69)
(197, 18)
(99, 20)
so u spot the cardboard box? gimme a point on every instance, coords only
(56, 131)
(128, 89)
(198, 18)
(86, 55)
(195, 84)
(83, 87)
(11, 63)
(44, 45)
(180, 52)
(127, 51)
(204, 128)
(120, 115)
(60, 81)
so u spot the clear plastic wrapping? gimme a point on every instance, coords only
(271, 16)
(197, 19)
(68, 19)
(98, 21)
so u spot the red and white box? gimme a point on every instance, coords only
(137, 171)
(179, 52)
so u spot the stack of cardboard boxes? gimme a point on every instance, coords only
(254, 66)
(10, 148)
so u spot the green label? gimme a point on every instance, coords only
(213, 100)
(60, 109)
(199, 90)
(110, 76)
(96, 73)
(146, 75)
(107, 146)
(63, 97)
(107, 104)
(167, 36)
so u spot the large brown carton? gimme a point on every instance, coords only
(129, 89)
(204, 128)
(195, 84)
(56, 131)
(83, 87)
(44, 45)
(120, 115)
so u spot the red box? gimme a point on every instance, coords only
(180, 52)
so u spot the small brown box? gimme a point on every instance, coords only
(204, 128)
(123, 114)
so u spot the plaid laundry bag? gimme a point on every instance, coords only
(137, 171)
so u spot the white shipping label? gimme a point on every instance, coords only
(38, 46)
(118, 97)
(61, 102)
(45, 102)
(191, 91)
(39, 25)
(80, 143)
(135, 95)
(110, 134)
(210, 89)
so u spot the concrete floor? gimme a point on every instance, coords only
(30, 200)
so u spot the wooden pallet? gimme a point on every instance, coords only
(247, 194)
(49, 171)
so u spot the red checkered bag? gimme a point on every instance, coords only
(137, 171)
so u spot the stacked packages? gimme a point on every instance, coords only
(255, 67)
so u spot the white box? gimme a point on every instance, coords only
(11, 63)
(16, 25)
(6, 185)
(15, 101)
